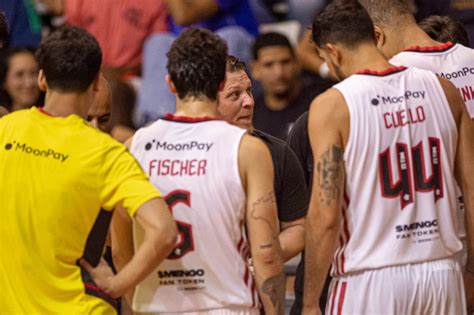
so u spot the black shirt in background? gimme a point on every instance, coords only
(298, 141)
(279, 123)
(290, 187)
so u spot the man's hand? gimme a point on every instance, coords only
(103, 277)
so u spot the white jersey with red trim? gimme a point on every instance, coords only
(400, 200)
(453, 62)
(194, 163)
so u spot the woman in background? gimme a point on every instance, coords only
(18, 79)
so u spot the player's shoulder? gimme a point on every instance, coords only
(330, 102)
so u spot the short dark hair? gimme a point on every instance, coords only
(197, 63)
(4, 31)
(268, 40)
(445, 29)
(234, 64)
(388, 12)
(345, 22)
(70, 59)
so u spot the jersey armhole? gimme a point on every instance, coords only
(445, 99)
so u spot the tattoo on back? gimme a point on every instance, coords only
(330, 174)
(274, 287)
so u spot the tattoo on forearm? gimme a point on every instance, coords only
(275, 287)
(330, 174)
(268, 198)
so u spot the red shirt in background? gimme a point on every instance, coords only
(120, 26)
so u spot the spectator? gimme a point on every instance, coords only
(445, 29)
(286, 95)
(232, 20)
(18, 79)
(24, 23)
(120, 26)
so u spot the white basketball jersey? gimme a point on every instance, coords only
(452, 62)
(194, 163)
(400, 200)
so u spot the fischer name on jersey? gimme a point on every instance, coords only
(400, 201)
(194, 162)
(454, 62)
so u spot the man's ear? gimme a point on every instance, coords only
(255, 69)
(43, 85)
(170, 83)
(334, 53)
(379, 37)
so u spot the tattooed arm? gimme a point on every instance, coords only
(328, 118)
(256, 171)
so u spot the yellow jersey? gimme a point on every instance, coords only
(57, 173)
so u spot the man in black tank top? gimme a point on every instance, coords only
(236, 107)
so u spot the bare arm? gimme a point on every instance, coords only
(187, 12)
(160, 238)
(121, 231)
(256, 171)
(465, 177)
(324, 216)
(292, 238)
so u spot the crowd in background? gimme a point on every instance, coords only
(270, 35)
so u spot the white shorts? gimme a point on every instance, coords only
(434, 287)
(217, 311)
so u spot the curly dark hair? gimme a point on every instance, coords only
(70, 59)
(197, 63)
(345, 22)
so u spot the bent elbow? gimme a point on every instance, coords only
(169, 236)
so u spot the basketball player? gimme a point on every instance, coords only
(217, 179)
(400, 38)
(57, 173)
(383, 206)
(445, 29)
(235, 105)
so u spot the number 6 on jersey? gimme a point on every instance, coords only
(185, 231)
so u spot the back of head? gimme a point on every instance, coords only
(387, 13)
(445, 29)
(345, 22)
(197, 63)
(70, 59)
(270, 39)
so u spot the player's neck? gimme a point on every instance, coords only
(196, 108)
(412, 35)
(366, 56)
(64, 104)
